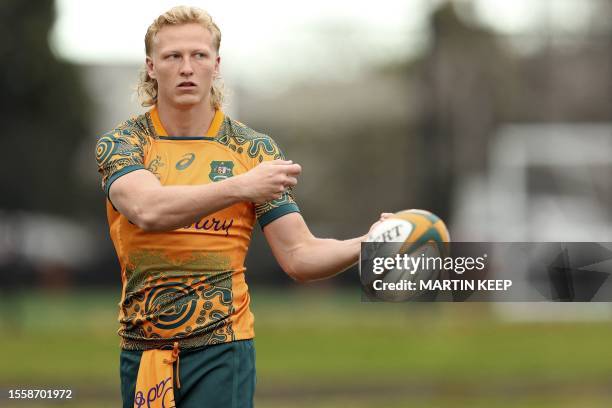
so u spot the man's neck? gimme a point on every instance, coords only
(185, 121)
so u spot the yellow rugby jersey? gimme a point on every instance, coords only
(186, 285)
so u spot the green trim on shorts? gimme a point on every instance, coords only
(221, 375)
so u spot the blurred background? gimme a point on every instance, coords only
(495, 115)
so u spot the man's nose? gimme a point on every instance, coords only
(186, 68)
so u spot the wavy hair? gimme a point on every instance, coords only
(147, 86)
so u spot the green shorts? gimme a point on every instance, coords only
(218, 376)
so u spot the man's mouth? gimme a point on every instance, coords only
(186, 84)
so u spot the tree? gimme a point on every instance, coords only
(43, 108)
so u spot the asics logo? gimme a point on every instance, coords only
(185, 161)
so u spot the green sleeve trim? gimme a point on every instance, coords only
(116, 175)
(276, 213)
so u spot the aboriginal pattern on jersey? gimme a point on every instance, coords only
(188, 284)
(171, 300)
(122, 149)
(242, 139)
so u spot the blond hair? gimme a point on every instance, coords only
(147, 86)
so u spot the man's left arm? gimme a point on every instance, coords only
(305, 257)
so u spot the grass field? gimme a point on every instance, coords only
(329, 350)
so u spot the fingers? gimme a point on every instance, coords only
(284, 166)
(383, 217)
(285, 180)
(286, 185)
(273, 178)
(292, 169)
(287, 174)
(290, 182)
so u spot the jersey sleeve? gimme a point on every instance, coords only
(265, 149)
(119, 152)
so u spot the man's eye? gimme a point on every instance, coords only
(200, 55)
(172, 56)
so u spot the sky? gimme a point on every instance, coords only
(93, 31)
(286, 40)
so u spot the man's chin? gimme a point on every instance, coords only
(187, 101)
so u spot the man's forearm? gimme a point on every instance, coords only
(323, 258)
(141, 198)
(165, 208)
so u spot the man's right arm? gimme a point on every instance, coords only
(141, 198)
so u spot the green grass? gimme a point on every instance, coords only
(331, 350)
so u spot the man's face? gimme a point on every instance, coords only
(184, 62)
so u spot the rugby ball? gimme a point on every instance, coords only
(416, 233)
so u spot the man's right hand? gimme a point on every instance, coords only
(268, 180)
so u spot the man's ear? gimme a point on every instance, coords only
(150, 71)
(217, 65)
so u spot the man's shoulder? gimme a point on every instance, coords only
(138, 127)
(243, 139)
(238, 130)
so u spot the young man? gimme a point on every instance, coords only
(185, 184)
